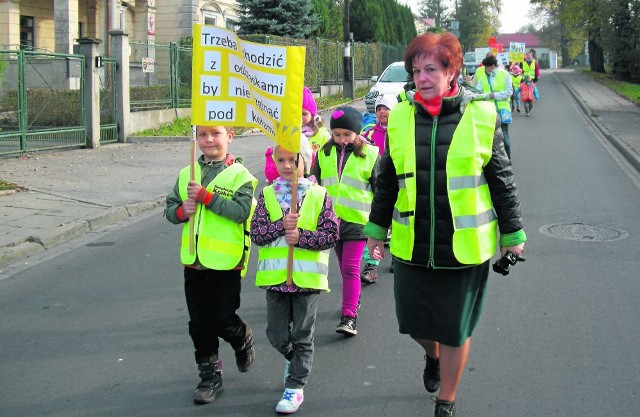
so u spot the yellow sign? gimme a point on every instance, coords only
(516, 51)
(241, 83)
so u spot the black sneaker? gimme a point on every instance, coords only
(347, 326)
(369, 274)
(445, 409)
(211, 382)
(431, 374)
(247, 355)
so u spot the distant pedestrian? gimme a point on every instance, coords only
(377, 136)
(220, 201)
(313, 230)
(348, 166)
(530, 66)
(516, 79)
(312, 127)
(528, 94)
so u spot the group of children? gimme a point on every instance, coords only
(524, 90)
(336, 175)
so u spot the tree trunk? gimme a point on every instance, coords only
(596, 57)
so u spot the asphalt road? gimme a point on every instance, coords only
(98, 327)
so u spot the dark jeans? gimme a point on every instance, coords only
(212, 299)
(507, 140)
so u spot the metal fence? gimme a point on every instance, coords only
(160, 75)
(108, 102)
(41, 101)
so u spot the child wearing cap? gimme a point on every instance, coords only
(312, 128)
(313, 230)
(377, 135)
(347, 166)
(516, 79)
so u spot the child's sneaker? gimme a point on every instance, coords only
(291, 400)
(211, 381)
(518, 109)
(347, 326)
(369, 274)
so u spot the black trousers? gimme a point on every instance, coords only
(212, 300)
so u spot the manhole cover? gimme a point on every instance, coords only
(584, 232)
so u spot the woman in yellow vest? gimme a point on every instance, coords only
(313, 229)
(445, 186)
(220, 201)
(347, 167)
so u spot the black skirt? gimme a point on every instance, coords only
(442, 305)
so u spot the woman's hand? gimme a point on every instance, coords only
(516, 250)
(376, 248)
(290, 221)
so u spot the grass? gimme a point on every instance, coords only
(628, 90)
(5, 185)
(182, 126)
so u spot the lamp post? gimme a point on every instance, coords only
(347, 60)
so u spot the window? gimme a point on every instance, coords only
(209, 18)
(27, 32)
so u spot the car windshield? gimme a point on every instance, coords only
(470, 57)
(394, 75)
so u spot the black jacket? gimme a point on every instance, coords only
(497, 172)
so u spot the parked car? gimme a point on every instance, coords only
(391, 81)
(470, 64)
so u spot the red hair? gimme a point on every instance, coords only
(444, 47)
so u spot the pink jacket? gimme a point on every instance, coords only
(270, 169)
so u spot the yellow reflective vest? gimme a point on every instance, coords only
(351, 193)
(529, 68)
(310, 267)
(474, 220)
(221, 243)
(499, 84)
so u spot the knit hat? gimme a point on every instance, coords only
(516, 70)
(305, 153)
(387, 100)
(308, 102)
(346, 118)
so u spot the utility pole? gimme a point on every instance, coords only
(347, 60)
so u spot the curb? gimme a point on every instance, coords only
(631, 157)
(36, 244)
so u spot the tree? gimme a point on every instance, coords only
(294, 18)
(478, 21)
(433, 9)
(321, 10)
(366, 21)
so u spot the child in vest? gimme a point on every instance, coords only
(313, 230)
(377, 136)
(312, 127)
(516, 80)
(220, 201)
(347, 166)
(528, 94)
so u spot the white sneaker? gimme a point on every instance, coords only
(290, 402)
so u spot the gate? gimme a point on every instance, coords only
(41, 101)
(108, 102)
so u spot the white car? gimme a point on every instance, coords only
(392, 80)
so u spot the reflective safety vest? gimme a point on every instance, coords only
(221, 243)
(351, 193)
(474, 220)
(480, 72)
(499, 84)
(310, 267)
(529, 69)
(526, 92)
(515, 81)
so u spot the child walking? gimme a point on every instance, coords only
(516, 80)
(220, 201)
(528, 94)
(377, 135)
(348, 166)
(312, 127)
(313, 229)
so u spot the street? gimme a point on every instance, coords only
(100, 329)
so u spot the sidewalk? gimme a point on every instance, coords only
(72, 192)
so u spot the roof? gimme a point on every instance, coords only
(531, 40)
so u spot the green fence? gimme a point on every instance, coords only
(41, 101)
(159, 76)
(108, 102)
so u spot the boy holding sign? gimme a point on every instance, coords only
(220, 202)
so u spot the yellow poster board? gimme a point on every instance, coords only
(241, 83)
(516, 51)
